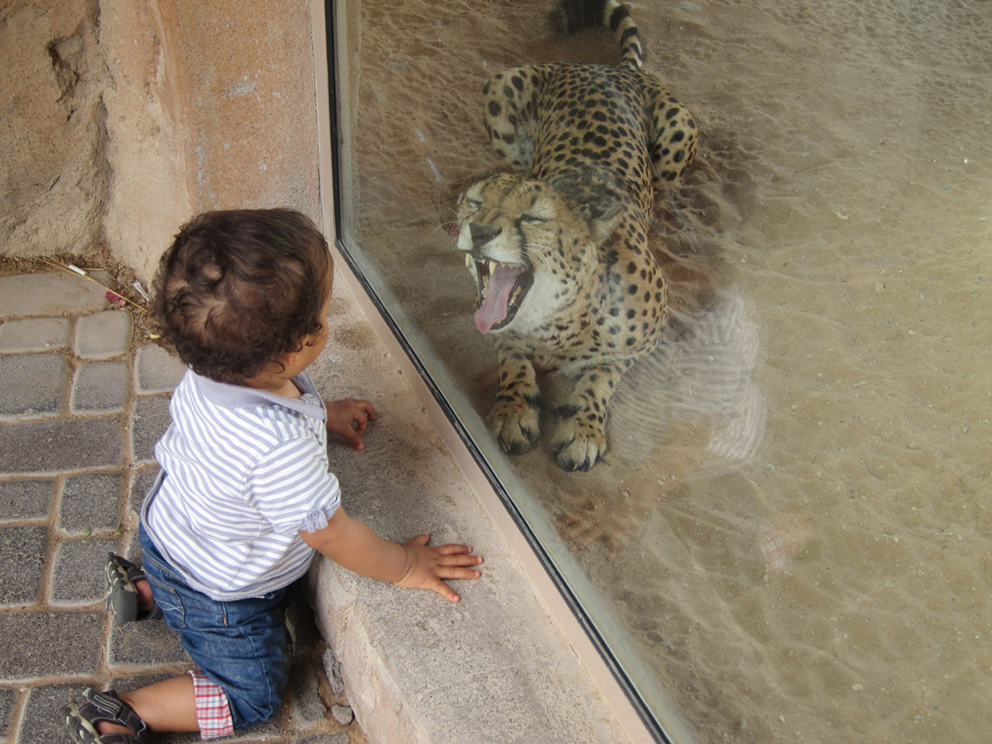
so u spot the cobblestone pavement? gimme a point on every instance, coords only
(82, 404)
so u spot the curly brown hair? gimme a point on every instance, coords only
(238, 288)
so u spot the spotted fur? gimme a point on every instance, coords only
(559, 250)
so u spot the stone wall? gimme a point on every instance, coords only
(53, 136)
(120, 119)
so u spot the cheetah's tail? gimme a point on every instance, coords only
(572, 16)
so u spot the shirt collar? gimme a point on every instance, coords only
(241, 396)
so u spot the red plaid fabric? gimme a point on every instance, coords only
(213, 714)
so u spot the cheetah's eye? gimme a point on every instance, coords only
(473, 204)
(532, 219)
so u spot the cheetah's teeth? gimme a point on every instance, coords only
(492, 267)
(468, 261)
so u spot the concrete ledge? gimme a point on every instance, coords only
(418, 669)
(493, 667)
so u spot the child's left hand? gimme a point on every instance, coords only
(426, 567)
(349, 418)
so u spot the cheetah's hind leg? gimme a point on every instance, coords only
(673, 135)
(508, 103)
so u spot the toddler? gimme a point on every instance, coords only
(244, 497)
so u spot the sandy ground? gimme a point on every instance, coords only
(789, 539)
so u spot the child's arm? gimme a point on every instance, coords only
(341, 414)
(353, 545)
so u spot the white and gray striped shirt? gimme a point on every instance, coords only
(243, 472)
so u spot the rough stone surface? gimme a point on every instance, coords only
(146, 644)
(142, 481)
(90, 502)
(152, 155)
(100, 387)
(333, 669)
(79, 575)
(156, 370)
(52, 446)
(103, 335)
(187, 105)
(303, 691)
(48, 294)
(34, 334)
(265, 732)
(343, 714)
(41, 723)
(7, 701)
(35, 384)
(204, 98)
(72, 644)
(22, 555)
(339, 738)
(25, 499)
(149, 420)
(54, 136)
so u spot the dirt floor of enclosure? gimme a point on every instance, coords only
(791, 527)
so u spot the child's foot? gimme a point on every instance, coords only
(129, 596)
(93, 715)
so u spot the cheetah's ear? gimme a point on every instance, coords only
(602, 220)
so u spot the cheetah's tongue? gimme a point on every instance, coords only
(497, 300)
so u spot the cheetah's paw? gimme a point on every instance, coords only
(577, 444)
(516, 425)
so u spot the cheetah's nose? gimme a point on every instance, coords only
(482, 234)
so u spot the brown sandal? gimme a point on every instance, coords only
(92, 707)
(122, 596)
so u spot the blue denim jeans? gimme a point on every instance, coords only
(239, 645)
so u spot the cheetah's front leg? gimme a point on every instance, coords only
(580, 436)
(515, 417)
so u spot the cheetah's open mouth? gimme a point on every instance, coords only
(502, 288)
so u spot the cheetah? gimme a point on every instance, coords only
(559, 249)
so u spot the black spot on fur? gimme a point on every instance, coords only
(569, 410)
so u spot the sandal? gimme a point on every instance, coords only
(91, 707)
(122, 597)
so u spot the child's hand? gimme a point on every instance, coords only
(342, 414)
(426, 566)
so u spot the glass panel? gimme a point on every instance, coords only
(788, 535)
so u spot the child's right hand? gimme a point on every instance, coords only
(426, 566)
(348, 419)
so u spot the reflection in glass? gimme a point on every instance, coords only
(788, 535)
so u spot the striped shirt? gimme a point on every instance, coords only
(243, 472)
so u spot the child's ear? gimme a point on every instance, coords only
(288, 358)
